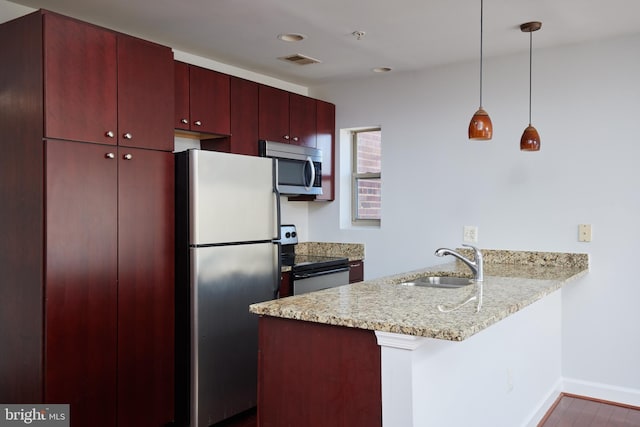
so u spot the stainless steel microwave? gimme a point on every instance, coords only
(298, 168)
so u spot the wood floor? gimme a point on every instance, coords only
(568, 411)
(577, 411)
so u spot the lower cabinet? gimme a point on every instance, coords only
(356, 271)
(332, 378)
(108, 333)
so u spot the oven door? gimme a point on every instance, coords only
(318, 280)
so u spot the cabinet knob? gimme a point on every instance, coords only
(127, 156)
(127, 136)
(184, 121)
(197, 123)
(109, 156)
(286, 137)
(109, 134)
(295, 138)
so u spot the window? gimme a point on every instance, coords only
(366, 203)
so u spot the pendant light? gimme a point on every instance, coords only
(480, 127)
(530, 140)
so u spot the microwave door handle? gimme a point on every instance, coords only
(313, 173)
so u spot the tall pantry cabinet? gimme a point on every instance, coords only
(86, 221)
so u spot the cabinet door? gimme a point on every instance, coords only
(273, 114)
(326, 130)
(302, 120)
(81, 280)
(244, 117)
(80, 81)
(181, 101)
(209, 101)
(145, 94)
(146, 287)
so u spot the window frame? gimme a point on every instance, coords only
(355, 177)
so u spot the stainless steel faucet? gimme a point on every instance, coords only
(475, 265)
(478, 276)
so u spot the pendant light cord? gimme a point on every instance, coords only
(481, 33)
(530, 72)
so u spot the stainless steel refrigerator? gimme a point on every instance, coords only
(227, 257)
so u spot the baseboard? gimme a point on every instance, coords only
(623, 395)
(543, 405)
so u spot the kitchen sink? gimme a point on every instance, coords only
(439, 282)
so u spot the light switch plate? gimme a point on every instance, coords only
(584, 232)
(470, 234)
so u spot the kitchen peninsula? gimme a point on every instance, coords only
(381, 353)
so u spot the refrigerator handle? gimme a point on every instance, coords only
(276, 193)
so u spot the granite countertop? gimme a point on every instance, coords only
(352, 251)
(513, 280)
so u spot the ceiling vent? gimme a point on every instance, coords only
(300, 59)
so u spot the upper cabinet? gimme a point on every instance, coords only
(105, 87)
(286, 117)
(244, 116)
(326, 129)
(202, 100)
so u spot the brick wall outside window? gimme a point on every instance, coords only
(368, 162)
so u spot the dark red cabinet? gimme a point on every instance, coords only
(105, 87)
(201, 100)
(331, 379)
(81, 278)
(244, 117)
(88, 229)
(286, 117)
(326, 130)
(356, 271)
(145, 286)
(80, 77)
(302, 120)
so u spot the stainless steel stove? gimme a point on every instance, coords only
(311, 272)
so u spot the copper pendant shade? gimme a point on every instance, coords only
(480, 127)
(530, 140)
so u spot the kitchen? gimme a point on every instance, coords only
(585, 107)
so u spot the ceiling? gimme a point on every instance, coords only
(403, 35)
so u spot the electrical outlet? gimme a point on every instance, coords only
(470, 234)
(584, 232)
(509, 380)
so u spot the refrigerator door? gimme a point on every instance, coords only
(224, 335)
(231, 198)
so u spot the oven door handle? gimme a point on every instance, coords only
(298, 276)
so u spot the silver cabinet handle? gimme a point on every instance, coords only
(197, 123)
(109, 134)
(109, 156)
(127, 156)
(286, 137)
(127, 136)
(295, 138)
(184, 121)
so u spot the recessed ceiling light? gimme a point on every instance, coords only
(291, 37)
(381, 69)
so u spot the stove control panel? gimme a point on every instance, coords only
(289, 235)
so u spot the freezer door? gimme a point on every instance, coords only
(231, 198)
(224, 335)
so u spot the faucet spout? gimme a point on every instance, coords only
(476, 265)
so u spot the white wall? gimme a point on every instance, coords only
(498, 377)
(586, 105)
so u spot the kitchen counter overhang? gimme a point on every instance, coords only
(513, 280)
